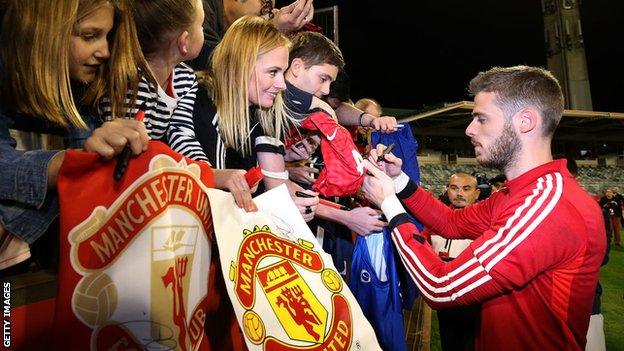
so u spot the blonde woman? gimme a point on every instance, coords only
(246, 111)
(59, 58)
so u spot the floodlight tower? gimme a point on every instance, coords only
(565, 51)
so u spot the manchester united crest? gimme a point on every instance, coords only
(142, 262)
(270, 272)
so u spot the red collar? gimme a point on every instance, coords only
(530, 176)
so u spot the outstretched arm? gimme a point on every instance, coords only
(349, 115)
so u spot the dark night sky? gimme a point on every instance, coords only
(453, 40)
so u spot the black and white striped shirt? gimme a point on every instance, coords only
(168, 119)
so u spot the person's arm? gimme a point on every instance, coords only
(275, 174)
(301, 174)
(463, 281)
(24, 175)
(233, 180)
(467, 223)
(302, 150)
(362, 220)
(349, 115)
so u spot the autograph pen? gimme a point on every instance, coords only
(323, 201)
(385, 152)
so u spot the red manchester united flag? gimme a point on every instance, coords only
(135, 254)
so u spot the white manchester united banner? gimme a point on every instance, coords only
(286, 292)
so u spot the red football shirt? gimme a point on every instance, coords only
(534, 263)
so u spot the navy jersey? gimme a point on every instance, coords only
(405, 148)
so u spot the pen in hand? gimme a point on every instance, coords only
(126, 153)
(385, 152)
(323, 201)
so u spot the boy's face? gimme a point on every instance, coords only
(314, 79)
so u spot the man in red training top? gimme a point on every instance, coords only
(537, 245)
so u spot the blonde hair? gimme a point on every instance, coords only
(363, 103)
(36, 52)
(232, 65)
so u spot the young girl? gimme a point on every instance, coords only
(169, 32)
(56, 64)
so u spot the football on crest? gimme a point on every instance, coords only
(331, 280)
(254, 328)
(95, 299)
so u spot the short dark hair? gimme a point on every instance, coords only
(523, 86)
(315, 49)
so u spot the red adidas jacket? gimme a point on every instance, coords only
(534, 263)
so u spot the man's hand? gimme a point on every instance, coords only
(301, 150)
(301, 174)
(364, 220)
(389, 164)
(234, 181)
(384, 124)
(377, 184)
(109, 139)
(294, 16)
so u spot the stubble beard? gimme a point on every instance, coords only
(504, 151)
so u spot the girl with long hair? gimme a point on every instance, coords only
(59, 58)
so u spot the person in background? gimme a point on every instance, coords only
(620, 197)
(458, 325)
(246, 110)
(369, 105)
(497, 182)
(614, 205)
(315, 62)
(220, 14)
(170, 32)
(243, 110)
